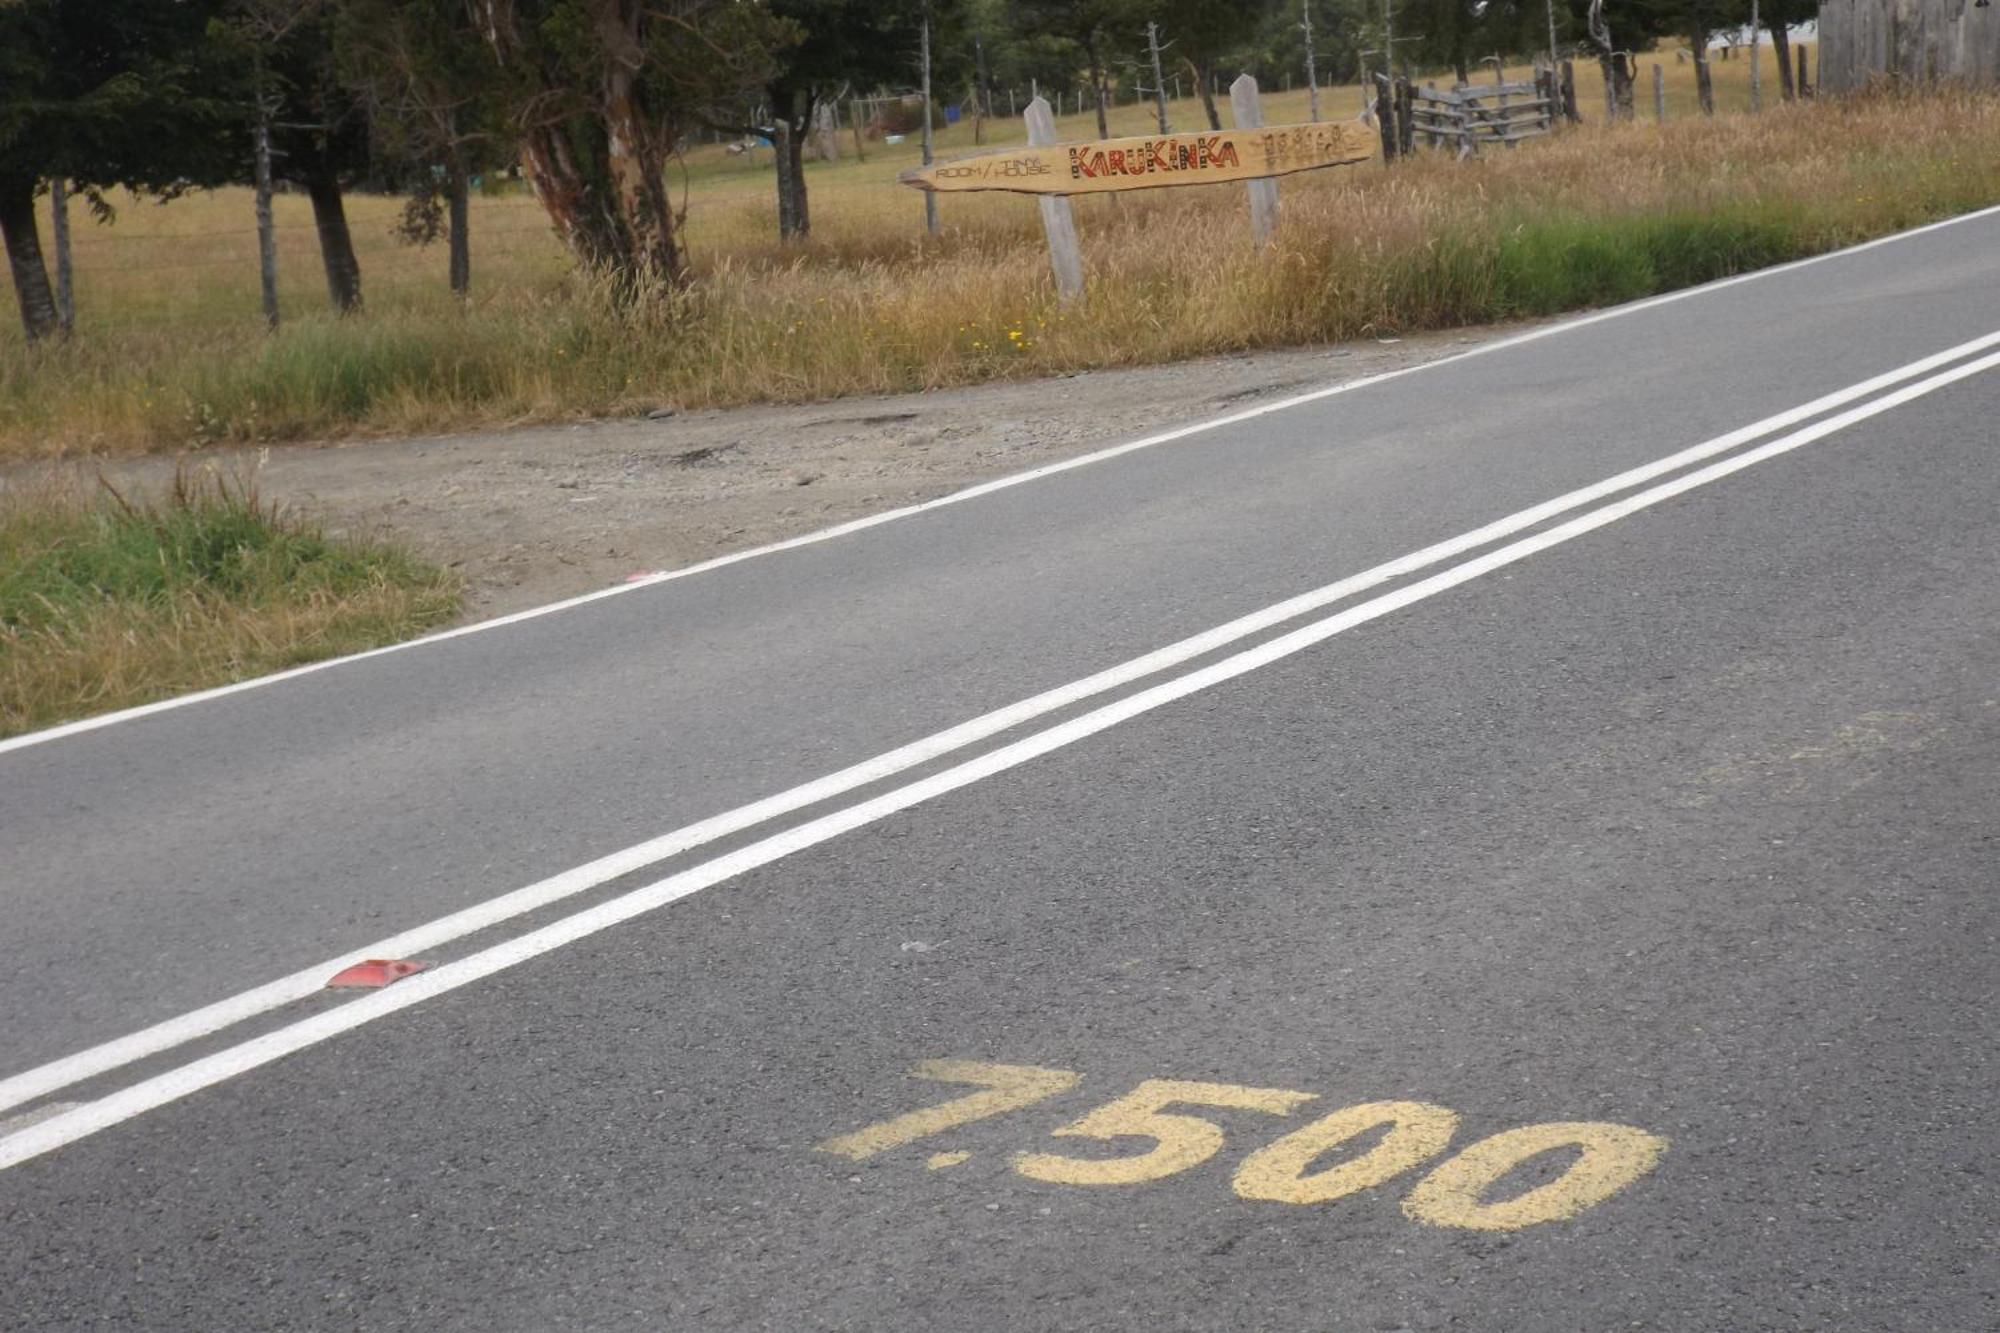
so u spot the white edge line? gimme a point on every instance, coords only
(57, 1074)
(971, 492)
(174, 1084)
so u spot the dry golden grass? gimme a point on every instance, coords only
(170, 350)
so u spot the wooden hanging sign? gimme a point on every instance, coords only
(1150, 162)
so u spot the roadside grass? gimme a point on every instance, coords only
(108, 601)
(1590, 217)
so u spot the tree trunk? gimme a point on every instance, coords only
(585, 223)
(1460, 68)
(1704, 82)
(23, 236)
(604, 192)
(781, 143)
(1207, 87)
(1781, 46)
(1618, 81)
(635, 157)
(788, 136)
(801, 212)
(459, 210)
(983, 88)
(336, 244)
(1385, 119)
(1097, 84)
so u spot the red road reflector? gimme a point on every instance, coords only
(375, 973)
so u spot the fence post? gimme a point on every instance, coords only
(826, 127)
(1385, 119)
(1756, 62)
(1058, 219)
(1659, 95)
(1249, 113)
(930, 196)
(267, 240)
(65, 284)
(1312, 68)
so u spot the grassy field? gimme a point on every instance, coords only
(107, 601)
(170, 350)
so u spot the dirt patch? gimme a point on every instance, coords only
(539, 513)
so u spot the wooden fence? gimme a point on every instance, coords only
(1911, 41)
(1467, 117)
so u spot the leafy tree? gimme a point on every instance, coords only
(1618, 28)
(318, 127)
(840, 44)
(1050, 59)
(1018, 50)
(1275, 50)
(1205, 33)
(422, 71)
(601, 93)
(105, 93)
(1451, 32)
(1100, 29)
(1698, 21)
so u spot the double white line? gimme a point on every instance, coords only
(1869, 398)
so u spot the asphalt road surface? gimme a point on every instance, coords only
(1509, 845)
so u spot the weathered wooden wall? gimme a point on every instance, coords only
(1915, 40)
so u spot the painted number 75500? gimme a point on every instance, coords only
(1453, 1193)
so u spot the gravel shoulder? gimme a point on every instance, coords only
(532, 514)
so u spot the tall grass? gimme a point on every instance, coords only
(107, 601)
(1590, 217)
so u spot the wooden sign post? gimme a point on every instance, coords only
(1245, 105)
(1058, 218)
(1150, 162)
(1250, 152)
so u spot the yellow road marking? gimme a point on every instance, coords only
(1008, 1088)
(1183, 1140)
(1454, 1193)
(1613, 1157)
(1418, 1131)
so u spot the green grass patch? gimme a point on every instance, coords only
(108, 601)
(1553, 264)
